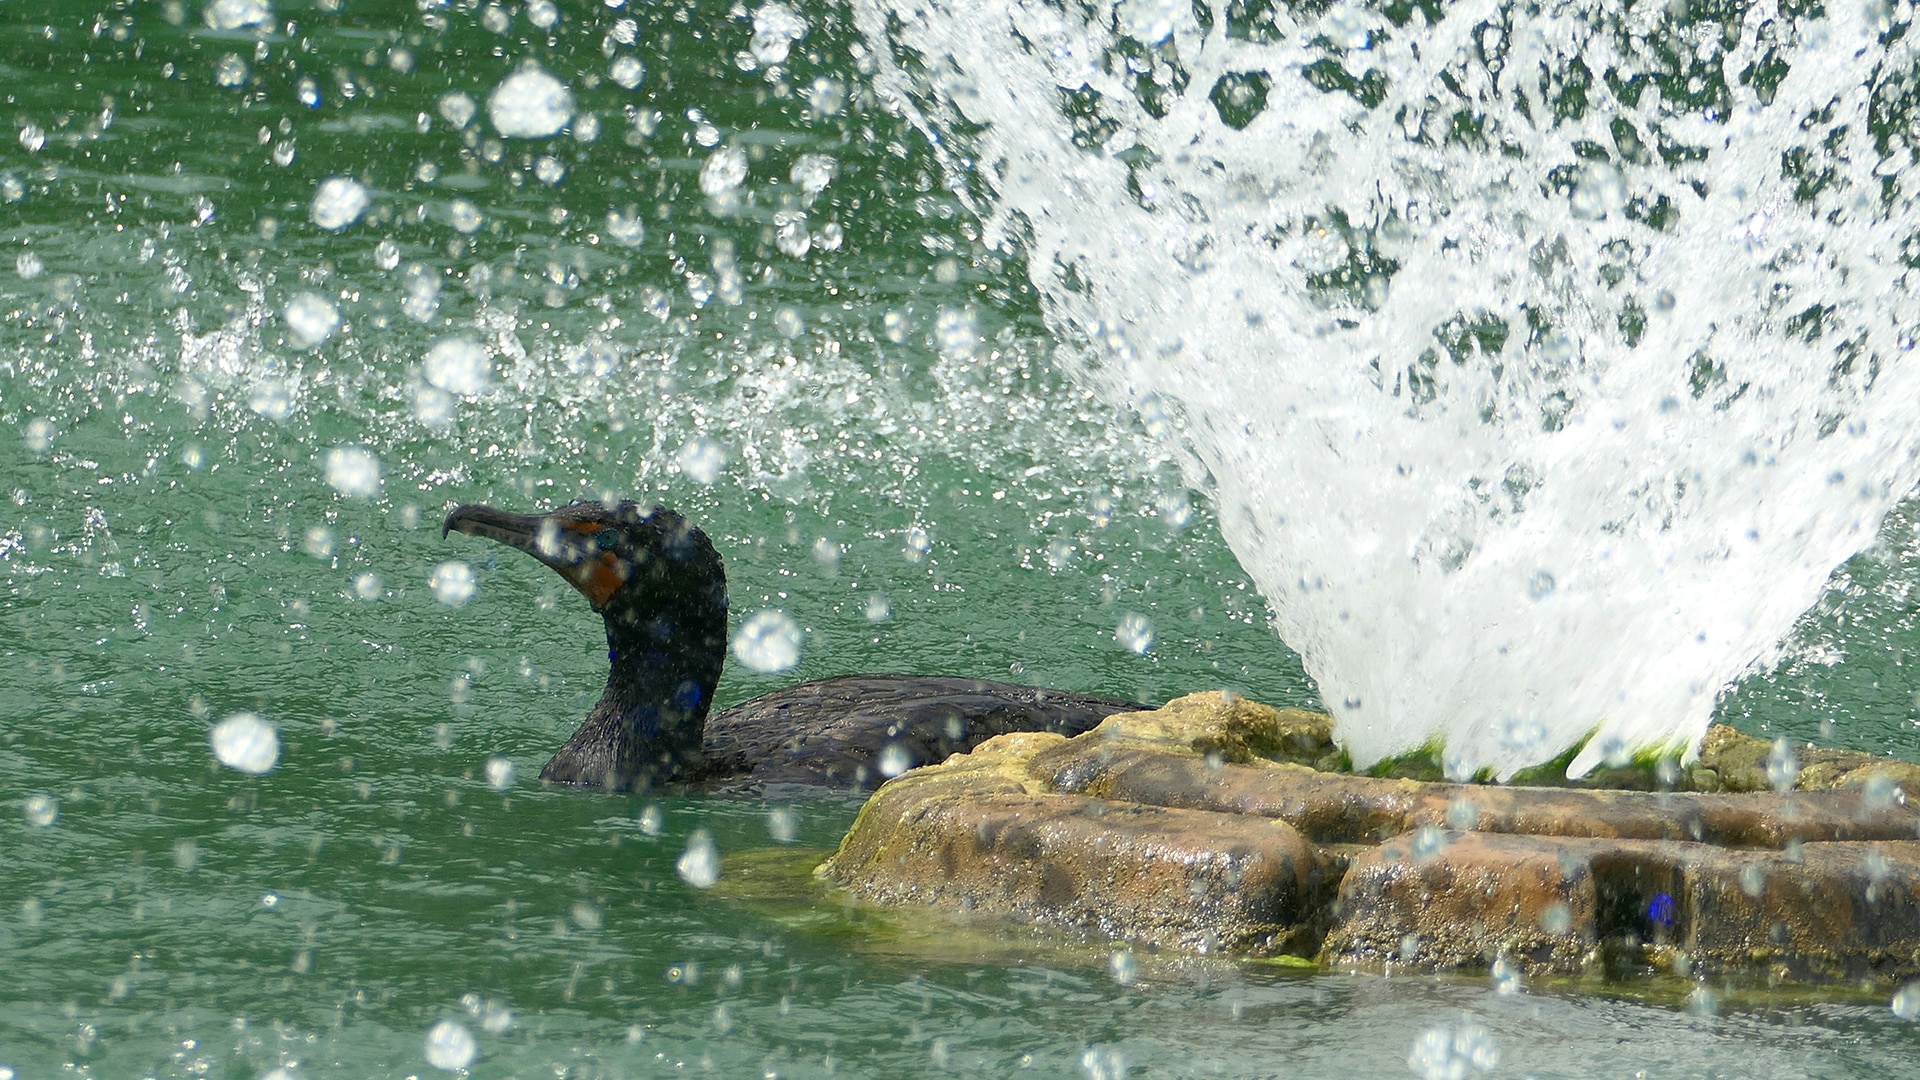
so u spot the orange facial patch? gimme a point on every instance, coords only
(600, 577)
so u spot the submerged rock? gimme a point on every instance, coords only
(1214, 823)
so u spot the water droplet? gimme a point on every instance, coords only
(811, 173)
(353, 471)
(271, 398)
(338, 202)
(33, 137)
(1428, 841)
(775, 28)
(28, 266)
(230, 71)
(915, 543)
(1450, 1053)
(1120, 965)
(625, 228)
(530, 104)
(1783, 766)
(366, 586)
(627, 71)
(783, 824)
(458, 365)
(500, 773)
(724, 171)
(1540, 585)
(548, 170)
(311, 319)
(1506, 977)
(452, 583)
(464, 216)
(768, 641)
(878, 608)
(790, 233)
(701, 459)
(246, 743)
(1134, 633)
(457, 109)
(40, 811)
(1906, 1001)
(450, 1046)
(1556, 918)
(1463, 814)
(652, 819)
(238, 14)
(894, 759)
(1060, 551)
(699, 865)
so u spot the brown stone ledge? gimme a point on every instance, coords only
(1204, 825)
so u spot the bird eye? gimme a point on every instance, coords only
(606, 539)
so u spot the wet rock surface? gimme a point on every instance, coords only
(1217, 823)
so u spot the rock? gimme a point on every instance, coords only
(1739, 763)
(966, 836)
(1206, 824)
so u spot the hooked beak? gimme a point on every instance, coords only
(568, 547)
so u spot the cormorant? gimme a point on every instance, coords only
(659, 585)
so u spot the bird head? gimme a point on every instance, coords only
(622, 558)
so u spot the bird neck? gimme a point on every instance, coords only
(648, 723)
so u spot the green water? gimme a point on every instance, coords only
(173, 552)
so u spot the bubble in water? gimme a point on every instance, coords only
(783, 824)
(878, 608)
(450, 1046)
(238, 14)
(768, 641)
(625, 228)
(366, 586)
(246, 743)
(652, 819)
(33, 137)
(1134, 632)
(701, 459)
(40, 811)
(724, 171)
(28, 266)
(457, 109)
(1120, 965)
(353, 471)
(915, 543)
(813, 172)
(1783, 766)
(1451, 1053)
(500, 773)
(530, 104)
(894, 759)
(775, 28)
(338, 202)
(1906, 1002)
(458, 365)
(699, 865)
(271, 399)
(627, 71)
(311, 319)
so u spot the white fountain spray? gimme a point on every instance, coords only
(1542, 365)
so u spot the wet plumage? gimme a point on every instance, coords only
(660, 588)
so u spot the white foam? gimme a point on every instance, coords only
(338, 202)
(1419, 371)
(530, 104)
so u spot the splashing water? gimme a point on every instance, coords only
(1543, 364)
